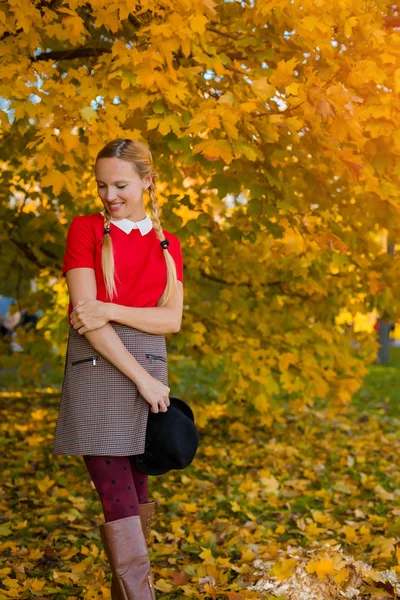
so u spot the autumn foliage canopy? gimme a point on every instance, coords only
(274, 128)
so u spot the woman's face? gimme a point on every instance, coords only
(120, 188)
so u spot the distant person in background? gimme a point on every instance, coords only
(9, 314)
(11, 318)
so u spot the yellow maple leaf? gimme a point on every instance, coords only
(215, 149)
(341, 575)
(198, 23)
(190, 507)
(207, 556)
(261, 403)
(154, 122)
(66, 11)
(75, 27)
(262, 88)
(384, 547)
(292, 89)
(283, 569)
(349, 25)
(35, 553)
(160, 29)
(69, 140)
(39, 414)
(224, 562)
(364, 530)
(312, 23)
(19, 427)
(45, 484)
(227, 98)
(235, 506)
(172, 122)
(248, 106)
(125, 8)
(108, 18)
(230, 128)
(388, 58)
(11, 584)
(243, 568)
(321, 567)
(87, 113)
(55, 180)
(163, 586)
(36, 585)
(286, 359)
(350, 533)
(283, 73)
(248, 555)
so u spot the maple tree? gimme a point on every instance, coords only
(273, 127)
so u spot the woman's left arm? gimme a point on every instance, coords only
(92, 314)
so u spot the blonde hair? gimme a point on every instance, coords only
(140, 156)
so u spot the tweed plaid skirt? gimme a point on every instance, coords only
(101, 411)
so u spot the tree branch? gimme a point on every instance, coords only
(279, 284)
(71, 54)
(7, 34)
(26, 250)
(278, 112)
(232, 283)
(228, 35)
(134, 21)
(219, 280)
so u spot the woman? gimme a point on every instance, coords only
(125, 281)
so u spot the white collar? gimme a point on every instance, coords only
(144, 226)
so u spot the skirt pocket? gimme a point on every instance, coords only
(92, 359)
(152, 357)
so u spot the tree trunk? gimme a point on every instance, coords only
(385, 327)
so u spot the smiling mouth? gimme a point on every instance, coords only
(115, 206)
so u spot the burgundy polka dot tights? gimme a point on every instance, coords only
(120, 485)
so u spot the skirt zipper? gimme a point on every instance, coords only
(82, 360)
(156, 357)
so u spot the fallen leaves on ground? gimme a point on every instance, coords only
(333, 575)
(303, 508)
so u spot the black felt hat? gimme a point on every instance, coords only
(172, 440)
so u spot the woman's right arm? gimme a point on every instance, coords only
(82, 286)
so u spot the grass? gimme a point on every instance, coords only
(381, 389)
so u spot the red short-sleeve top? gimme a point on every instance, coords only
(140, 267)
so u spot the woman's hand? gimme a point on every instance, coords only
(155, 392)
(88, 315)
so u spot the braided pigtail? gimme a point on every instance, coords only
(171, 267)
(107, 258)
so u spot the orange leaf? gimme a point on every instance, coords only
(179, 577)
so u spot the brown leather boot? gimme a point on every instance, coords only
(146, 511)
(126, 550)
